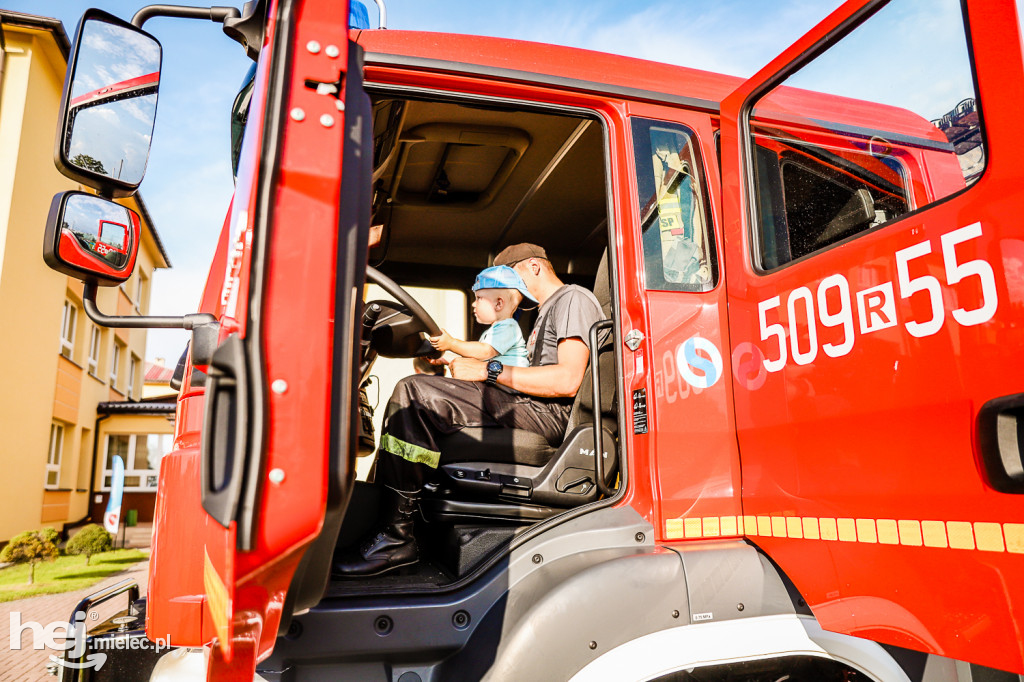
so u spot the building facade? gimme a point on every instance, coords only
(58, 367)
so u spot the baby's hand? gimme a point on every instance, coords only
(442, 342)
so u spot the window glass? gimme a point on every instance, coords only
(679, 245)
(115, 361)
(117, 446)
(54, 455)
(140, 291)
(133, 365)
(67, 329)
(94, 350)
(141, 454)
(850, 142)
(150, 450)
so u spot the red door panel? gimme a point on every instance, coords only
(878, 277)
(689, 400)
(275, 285)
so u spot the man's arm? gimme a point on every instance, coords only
(561, 380)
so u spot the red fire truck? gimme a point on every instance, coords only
(797, 453)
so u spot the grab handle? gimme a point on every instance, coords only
(595, 380)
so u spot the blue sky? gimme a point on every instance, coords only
(188, 183)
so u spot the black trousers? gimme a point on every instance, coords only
(425, 407)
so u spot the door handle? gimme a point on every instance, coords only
(222, 448)
(1001, 442)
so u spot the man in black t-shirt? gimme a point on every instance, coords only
(424, 408)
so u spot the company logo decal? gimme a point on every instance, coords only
(748, 366)
(699, 371)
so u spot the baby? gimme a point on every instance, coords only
(499, 290)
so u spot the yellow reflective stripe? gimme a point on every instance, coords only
(409, 451)
(216, 599)
(983, 536)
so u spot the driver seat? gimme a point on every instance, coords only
(514, 476)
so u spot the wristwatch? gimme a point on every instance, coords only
(494, 368)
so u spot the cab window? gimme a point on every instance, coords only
(679, 245)
(851, 141)
(809, 197)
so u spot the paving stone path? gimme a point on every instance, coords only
(28, 664)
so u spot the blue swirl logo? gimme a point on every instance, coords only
(697, 370)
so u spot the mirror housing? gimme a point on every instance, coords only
(106, 125)
(91, 238)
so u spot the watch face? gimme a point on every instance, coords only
(494, 366)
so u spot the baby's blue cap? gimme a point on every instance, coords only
(501, 277)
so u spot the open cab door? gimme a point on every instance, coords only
(875, 250)
(275, 461)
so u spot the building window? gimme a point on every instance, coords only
(54, 456)
(67, 329)
(115, 362)
(133, 367)
(140, 291)
(141, 454)
(94, 351)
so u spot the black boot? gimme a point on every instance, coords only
(391, 545)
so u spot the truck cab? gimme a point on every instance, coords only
(795, 451)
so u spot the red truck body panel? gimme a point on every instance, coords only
(860, 472)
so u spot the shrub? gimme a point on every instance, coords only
(50, 534)
(30, 547)
(92, 539)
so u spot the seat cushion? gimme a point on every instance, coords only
(496, 444)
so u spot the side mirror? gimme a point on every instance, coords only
(108, 107)
(91, 238)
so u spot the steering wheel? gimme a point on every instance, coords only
(395, 326)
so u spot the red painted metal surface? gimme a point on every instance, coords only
(139, 84)
(693, 459)
(531, 59)
(71, 251)
(876, 449)
(301, 233)
(176, 597)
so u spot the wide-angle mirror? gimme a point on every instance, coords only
(91, 238)
(109, 105)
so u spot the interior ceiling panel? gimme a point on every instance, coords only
(566, 209)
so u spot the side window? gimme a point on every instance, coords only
(850, 142)
(679, 244)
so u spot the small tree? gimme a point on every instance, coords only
(92, 539)
(30, 547)
(51, 534)
(89, 163)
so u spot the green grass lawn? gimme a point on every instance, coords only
(66, 574)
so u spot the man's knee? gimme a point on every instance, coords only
(407, 388)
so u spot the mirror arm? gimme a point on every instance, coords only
(217, 14)
(204, 326)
